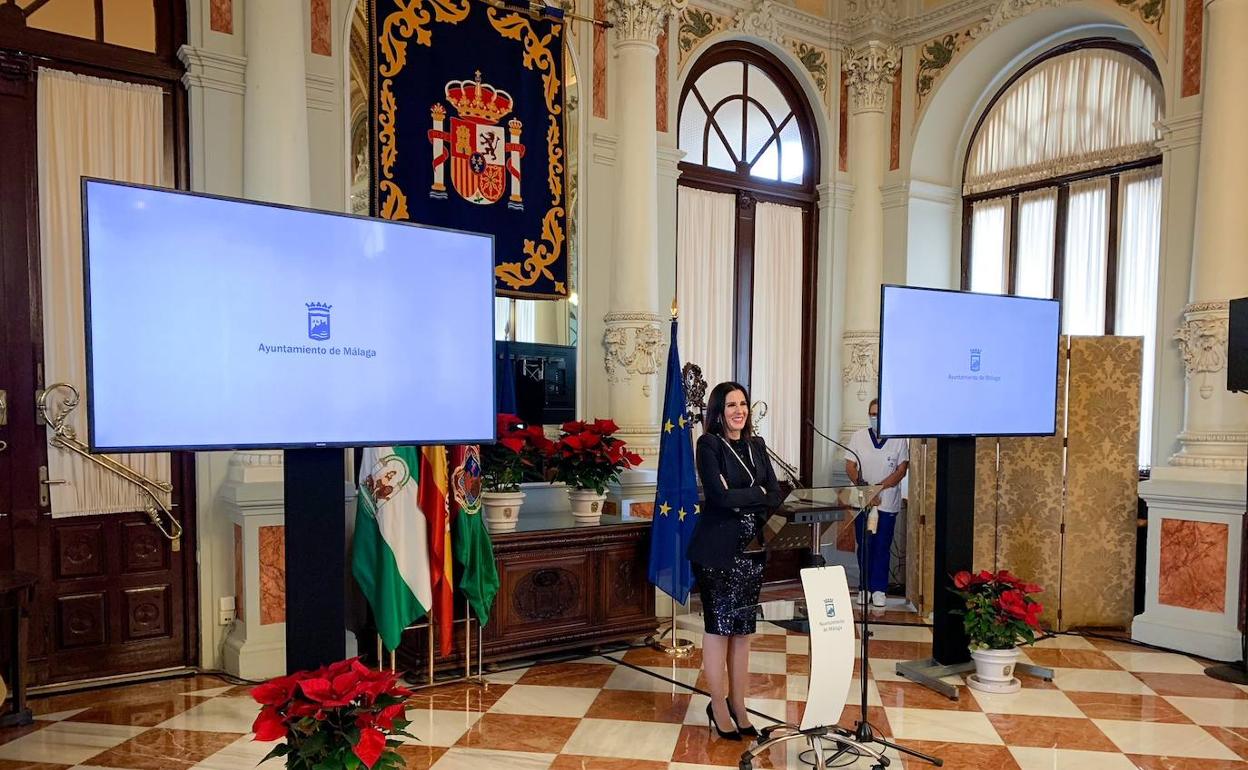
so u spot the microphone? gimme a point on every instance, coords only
(860, 481)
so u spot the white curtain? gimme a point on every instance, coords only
(1087, 232)
(776, 352)
(100, 128)
(705, 269)
(990, 235)
(526, 319)
(1139, 252)
(1086, 109)
(1037, 221)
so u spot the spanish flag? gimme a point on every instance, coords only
(435, 502)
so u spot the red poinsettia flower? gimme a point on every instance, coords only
(962, 580)
(512, 443)
(605, 427)
(984, 576)
(1030, 588)
(508, 422)
(574, 426)
(1013, 603)
(269, 725)
(331, 693)
(372, 742)
(275, 692)
(301, 708)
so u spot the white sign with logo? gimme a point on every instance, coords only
(831, 644)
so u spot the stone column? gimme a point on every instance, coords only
(870, 69)
(1215, 425)
(1196, 502)
(636, 337)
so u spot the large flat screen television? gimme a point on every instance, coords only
(214, 323)
(955, 363)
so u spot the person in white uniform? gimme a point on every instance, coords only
(884, 462)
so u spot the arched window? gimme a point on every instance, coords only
(745, 244)
(1062, 194)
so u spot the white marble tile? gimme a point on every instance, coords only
(854, 695)
(67, 743)
(1155, 662)
(217, 715)
(648, 679)
(506, 677)
(211, 692)
(1068, 759)
(243, 752)
(1164, 739)
(58, 716)
(1065, 642)
(624, 740)
(1094, 680)
(798, 686)
(478, 759)
(941, 726)
(775, 709)
(437, 727)
(1028, 702)
(885, 670)
(901, 633)
(546, 701)
(797, 644)
(763, 627)
(1213, 712)
(768, 662)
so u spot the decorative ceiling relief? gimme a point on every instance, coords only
(815, 61)
(697, 24)
(760, 21)
(935, 57)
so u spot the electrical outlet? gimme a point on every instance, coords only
(225, 610)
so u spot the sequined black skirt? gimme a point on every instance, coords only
(730, 595)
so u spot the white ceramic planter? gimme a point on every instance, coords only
(994, 671)
(501, 510)
(586, 506)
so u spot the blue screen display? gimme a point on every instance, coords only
(215, 323)
(962, 364)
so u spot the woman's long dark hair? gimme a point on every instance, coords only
(714, 421)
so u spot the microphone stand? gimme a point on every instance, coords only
(863, 733)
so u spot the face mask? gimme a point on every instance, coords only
(874, 421)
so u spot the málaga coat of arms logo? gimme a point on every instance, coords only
(483, 155)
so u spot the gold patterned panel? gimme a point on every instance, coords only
(984, 554)
(1098, 564)
(1029, 518)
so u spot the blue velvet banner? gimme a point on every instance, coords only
(468, 130)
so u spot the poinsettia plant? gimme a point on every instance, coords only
(589, 456)
(1000, 613)
(341, 716)
(516, 455)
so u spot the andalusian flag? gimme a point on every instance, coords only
(478, 575)
(435, 480)
(390, 554)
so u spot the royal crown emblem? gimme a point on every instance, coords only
(483, 155)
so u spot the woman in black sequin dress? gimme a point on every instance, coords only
(739, 487)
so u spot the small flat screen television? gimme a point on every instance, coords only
(214, 323)
(955, 363)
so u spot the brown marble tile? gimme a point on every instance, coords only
(145, 714)
(697, 745)
(573, 762)
(648, 656)
(1235, 738)
(770, 686)
(666, 707)
(1193, 38)
(1144, 762)
(569, 675)
(1135, 708)
(418, 756)
(13, 764)
(1190, 685)
(768, 643)
(272, 575)
(1193, 565)
(883, 648)
(798, 664)
(146, 693)
(322, 36)
(962, 756)
(162, 749)
(1051, 732)
(913, 696)
(459, 696)
(1063, 658)
(13, 733)
(795, 710)
(221, 16)
(1033, 682)
(1114, 645)
(508, 732)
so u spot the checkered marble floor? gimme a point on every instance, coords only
(1111, 705)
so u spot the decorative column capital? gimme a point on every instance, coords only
(871, 68)
(861, 362)
(641, 21)
(760, 21)
(635, 347)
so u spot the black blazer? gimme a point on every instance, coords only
(728, 498)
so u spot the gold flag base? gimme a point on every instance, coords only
(679, 647)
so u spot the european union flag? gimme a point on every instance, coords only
(676, 502)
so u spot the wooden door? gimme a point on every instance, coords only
(114, 597)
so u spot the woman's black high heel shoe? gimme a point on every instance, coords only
(748, 732)
(731, 735)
